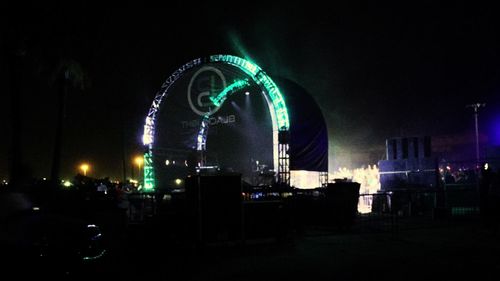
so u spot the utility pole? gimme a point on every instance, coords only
(476, 107)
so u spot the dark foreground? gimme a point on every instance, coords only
(378, 247)
(463, 250)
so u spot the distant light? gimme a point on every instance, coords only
(448, 168)
(67, 183)
(247, 93)
(44, 179)
(186, 163)
(139, 160)
(167, 162)
(84, 167)
(146, 139)
(178, 181)
(36, 208)
(486, 166)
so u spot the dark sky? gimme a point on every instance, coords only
(377, 70)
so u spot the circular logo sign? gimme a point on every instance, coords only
(207, 82)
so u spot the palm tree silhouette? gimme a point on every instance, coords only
(15, 54)
(68, 73)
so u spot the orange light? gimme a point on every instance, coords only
(139, 160)
(84, 167)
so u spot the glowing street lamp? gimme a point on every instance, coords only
(139, 160)
(84, 167)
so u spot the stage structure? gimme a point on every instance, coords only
(223, 113)
(207, 83)
(308, 145)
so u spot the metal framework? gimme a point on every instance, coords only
(201, 140)
(273, 96)
(323, 179)
(283, 164)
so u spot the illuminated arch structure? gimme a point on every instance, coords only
(275, 100)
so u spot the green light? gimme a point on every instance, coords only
(252, 68)
(276, 102)
(149, 179)
(221, 97)
(261, 78)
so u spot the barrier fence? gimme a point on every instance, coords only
(312, 209)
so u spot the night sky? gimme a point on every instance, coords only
(376, 70)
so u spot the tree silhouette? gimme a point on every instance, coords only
(68, 73)
(14, 51)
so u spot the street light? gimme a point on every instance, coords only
(139, 160)
(476, 107)
(84, 167)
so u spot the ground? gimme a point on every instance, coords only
(415, 250)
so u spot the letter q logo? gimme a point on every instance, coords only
(206, 82)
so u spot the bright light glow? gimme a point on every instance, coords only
(147, 137)
(67, 183)
(247, 93)
(486, 166)
(44, 179)
(303, 179)
(178, 181)
(202, 134)
(84, 167)
(167, 162)
(139, 160)
(276, 102)
(221, 97)
(272, 94)
(261, 78)
(36, 208)
(368, 177)
(149, 177)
